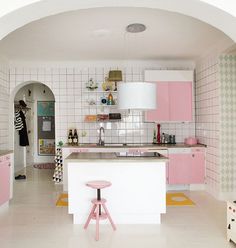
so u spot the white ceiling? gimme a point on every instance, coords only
(99, 34)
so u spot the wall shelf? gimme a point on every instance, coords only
(100, 106)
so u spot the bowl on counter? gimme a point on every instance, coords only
(191, 141)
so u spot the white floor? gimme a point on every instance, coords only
(33, 220)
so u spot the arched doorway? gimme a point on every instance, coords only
(38, 110)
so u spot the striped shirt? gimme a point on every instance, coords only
(18, 121)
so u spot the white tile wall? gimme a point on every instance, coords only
(4, 104)
(68, 86)
(207, 96)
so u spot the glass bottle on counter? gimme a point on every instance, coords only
(75, 138)
(154, 141)
(70, 137)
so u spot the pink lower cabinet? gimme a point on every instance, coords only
(4, 182)
(186, 166)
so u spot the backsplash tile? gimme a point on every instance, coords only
(69, 88)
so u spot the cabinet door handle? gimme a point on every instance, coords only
(9, 164)
(229, 227)
(193, 155)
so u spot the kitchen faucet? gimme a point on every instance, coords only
(101, 141)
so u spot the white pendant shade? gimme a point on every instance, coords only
(136, 95)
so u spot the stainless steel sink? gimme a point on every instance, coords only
(113, 144)
(137, 154)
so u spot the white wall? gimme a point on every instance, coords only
(4, 104)
(67, 82)
(208, 118)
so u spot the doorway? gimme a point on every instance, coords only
(36, 102)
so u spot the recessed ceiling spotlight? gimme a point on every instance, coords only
(135, 28)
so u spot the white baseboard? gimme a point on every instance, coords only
(194, 187)
(4, 207)
(175, 187)
(227, 196)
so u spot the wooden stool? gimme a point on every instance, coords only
(96, 212)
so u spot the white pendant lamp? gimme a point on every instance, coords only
(136, 95)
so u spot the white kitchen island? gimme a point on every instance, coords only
(137, 194)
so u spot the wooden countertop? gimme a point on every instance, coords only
(5, 152)
(110, 156)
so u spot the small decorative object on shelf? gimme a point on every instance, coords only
(102, 117)
(103, 100)
(75, 138)
(91, 85)
(114, 116)
(110, 99)
(115, 76)
(70, 137)
(107, 85)
(91, 102)
(90, 118)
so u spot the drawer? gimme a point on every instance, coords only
(5, 158)
(197, 149)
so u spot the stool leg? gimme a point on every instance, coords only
(109, 217)
(90, 216)
(97, 224)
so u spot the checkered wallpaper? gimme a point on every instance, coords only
(227, 74)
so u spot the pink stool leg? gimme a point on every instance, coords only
(109, 217)
(97, 224)
(90, 216)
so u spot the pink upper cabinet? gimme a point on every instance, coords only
(162, 110)
(174, 95)
(180, 101)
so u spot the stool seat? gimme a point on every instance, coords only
(99, 202)
(98, 184)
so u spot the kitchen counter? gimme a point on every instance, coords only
(100, 157)
(135, 145)
(135, 181)
(5, 152)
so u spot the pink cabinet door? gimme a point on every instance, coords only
(180, 101)
(174, 102)
(197, 167)
(4, 182)
(161, 113)
(187, 168)
(179, 165)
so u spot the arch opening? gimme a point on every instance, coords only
(35, 143)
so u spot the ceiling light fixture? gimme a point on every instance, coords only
(135, 28)
(136, 95)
